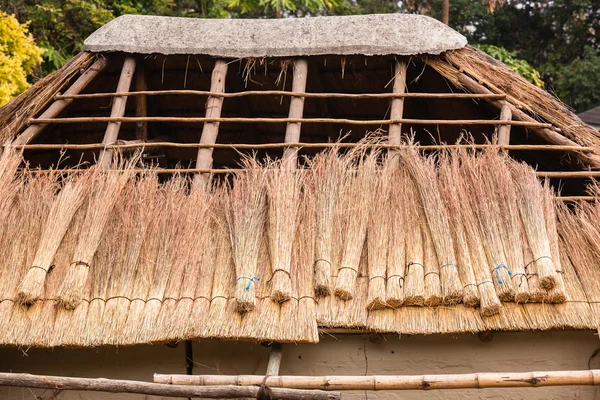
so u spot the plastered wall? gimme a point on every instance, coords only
(341, 355)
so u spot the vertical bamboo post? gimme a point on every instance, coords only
(504, 130)
(274, 360)
(292, 131)
(141, 104)
(210, 130)
(397, 110)
(59, 105)
(117, 111)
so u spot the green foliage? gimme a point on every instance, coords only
(18, 57)
(577, 82)
(521, 67)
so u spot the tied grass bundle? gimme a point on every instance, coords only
(63, 209)
(106, 192)
(246, 211)
(531, 207)
(378, 235)
(284, 187)
(463, 201)
(357, 192)
(326, 174)
(424, 175)
(414, 283)
(433, 290)
(487, 212)
(463, 254)
(557, 294)
(396, 262)
(502, 187)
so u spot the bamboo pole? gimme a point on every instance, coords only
(60, 104)
(241, 120)
(547, 134)
(397, 110)
(274, 360)
(292, 131)
(117, 111)
(156, 389)
(397, 382)
(210, 130)
(138, 144)
(490, 96)
(141, 104)
(504, 130)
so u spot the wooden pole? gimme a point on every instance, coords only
(155, 389)
(117, 111)
(274, 360)
(504, 130)
(292, 131)
(141, 104)
(59, 105)
(397, 382)
(397, 111)
(210, 130)
(545, 133)
(188, 92)
(211, 121)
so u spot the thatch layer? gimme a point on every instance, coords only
(168, 262)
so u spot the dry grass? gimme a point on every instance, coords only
(414, 279)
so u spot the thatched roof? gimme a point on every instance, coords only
(460, 240)
(400, 34)
(591, 117)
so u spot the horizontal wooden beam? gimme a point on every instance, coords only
(568, 199)
(287, 94)
(397, 382)
(139, 144)
(345, 121)
(156, 389)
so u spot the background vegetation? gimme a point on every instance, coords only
(554, 43)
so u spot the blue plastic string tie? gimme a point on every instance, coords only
(251, 279)
(498, 273)
(481, 283)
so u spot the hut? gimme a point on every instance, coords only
(352, 204)
(591, 117)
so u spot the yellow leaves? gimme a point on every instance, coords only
(19, 55)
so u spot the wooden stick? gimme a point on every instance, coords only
(540, 174)
(210, 130)
(397, 382)
(122, 144)
(156, 389)
(397, 110)
(274, 360)
(504, 130)
(141, 104)
(117, 111)
(577, 198)
(60, 104)
(547, 134)
(345, 121)
(490, 96)
(292, 131)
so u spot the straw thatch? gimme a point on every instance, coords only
(168, 267)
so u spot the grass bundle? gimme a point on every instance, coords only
(284, 187)
(355, 200)
(487, 212)
(463, 255)
(531, 207)
(378, 236)
(462, 201)
(414, 279)
(245, 213)
(63, 209)
(536, 292)
(502, 187)
(106, 191)
(424, 175)
(557, 294)
(396, 261)
(433, 290)
(325, 177)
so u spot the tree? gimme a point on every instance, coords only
(18, 57)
